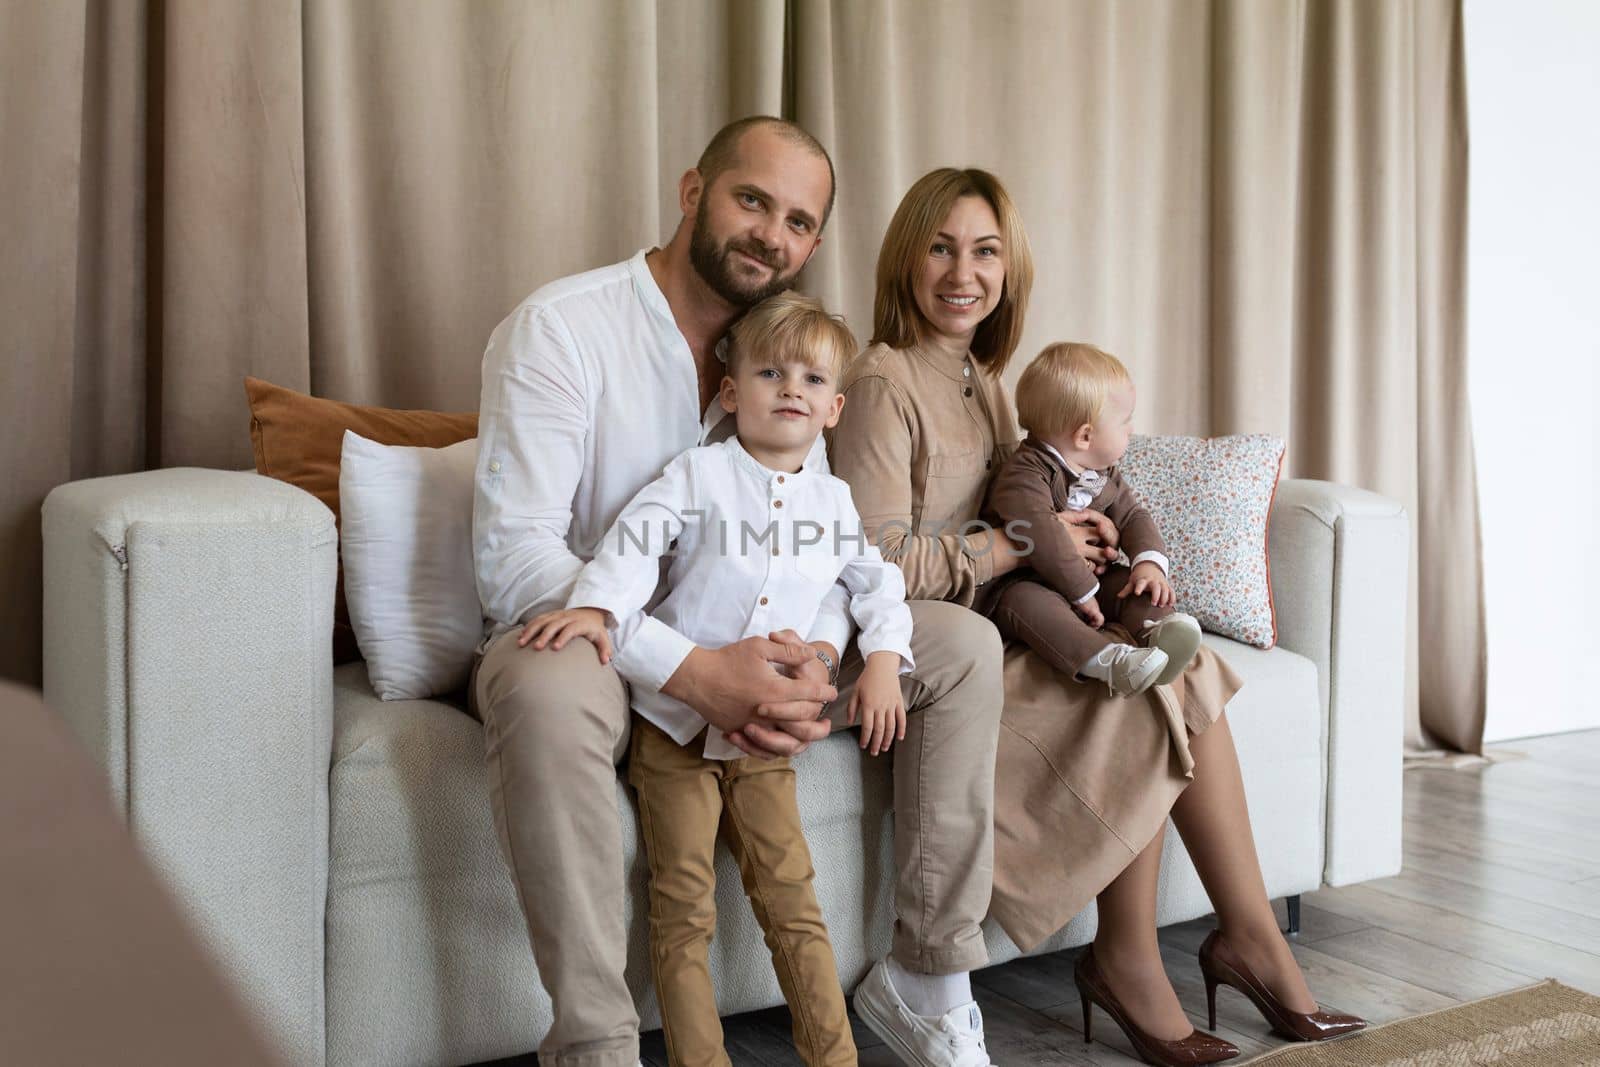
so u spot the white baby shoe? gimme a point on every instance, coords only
(1178, 635)
(1126, 670)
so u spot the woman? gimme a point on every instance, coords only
(1081, 775)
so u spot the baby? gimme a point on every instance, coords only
(1076, 402)
(762, 534)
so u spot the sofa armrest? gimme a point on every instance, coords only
(187, 625)
(1339, 559)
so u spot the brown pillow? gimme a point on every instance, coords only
(298, 439)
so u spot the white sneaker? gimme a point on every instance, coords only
(1178, 635)
(954, 1039)
(1126, 670)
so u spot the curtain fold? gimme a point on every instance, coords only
(42, 50)
(1450, 597)
(1259, 207)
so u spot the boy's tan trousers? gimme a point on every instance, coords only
(684, 801)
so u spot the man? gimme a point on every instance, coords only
(590, 387)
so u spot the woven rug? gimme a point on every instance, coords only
(1547, 1025)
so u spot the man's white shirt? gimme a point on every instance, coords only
(589, 391)
(752, 550)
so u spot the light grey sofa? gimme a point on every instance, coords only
(338, 853)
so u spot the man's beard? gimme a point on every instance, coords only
(715, 267)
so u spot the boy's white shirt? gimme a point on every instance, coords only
(724, 584)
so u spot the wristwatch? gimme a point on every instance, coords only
(833, 668)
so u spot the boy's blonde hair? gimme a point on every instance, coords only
(1066, 387)
(790, 327)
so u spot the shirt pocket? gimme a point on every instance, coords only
(819, 562)
(952, 490)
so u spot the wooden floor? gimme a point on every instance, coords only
(1501, 888)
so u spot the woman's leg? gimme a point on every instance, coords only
(1214, 823)
(1126, 949)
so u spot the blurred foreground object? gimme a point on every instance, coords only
(97, 965)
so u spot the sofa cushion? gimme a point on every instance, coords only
(426, 942)
(1211, 498)
(427, 952)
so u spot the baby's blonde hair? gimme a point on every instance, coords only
(1066, 387)
(791, 327)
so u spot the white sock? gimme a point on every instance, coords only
(930, 994)
(1099, 665)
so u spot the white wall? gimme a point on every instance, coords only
(1533, 333)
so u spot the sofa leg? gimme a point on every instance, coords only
(1294, 914)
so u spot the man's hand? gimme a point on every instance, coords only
(737, 690)
(786, 738)
(789, 737)
(1148, 576)
(556, 628)
(812, 669)
(1093, 534)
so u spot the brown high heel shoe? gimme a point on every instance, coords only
(1189, 1051)
(1222, 966)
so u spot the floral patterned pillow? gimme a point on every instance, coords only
(1210, 498)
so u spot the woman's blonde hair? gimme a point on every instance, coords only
(791, 327)
(1066, 387)
(896, 321)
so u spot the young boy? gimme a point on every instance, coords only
(1076, 402)
(763, 533)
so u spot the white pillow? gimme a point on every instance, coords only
(406, 540)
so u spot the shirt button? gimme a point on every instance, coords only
(966, 372)
(967, 391)
(763, 601)
(494, 466)
(780, 479)
(777, 503)
(988, 463)
(777, 552)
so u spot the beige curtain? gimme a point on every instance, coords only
(340, 197)
(1260, 206)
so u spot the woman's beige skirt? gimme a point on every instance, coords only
(1083, 782)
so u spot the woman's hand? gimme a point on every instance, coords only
(556, 628)
(1093, 534)
(879, 703)
(1006, 552)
